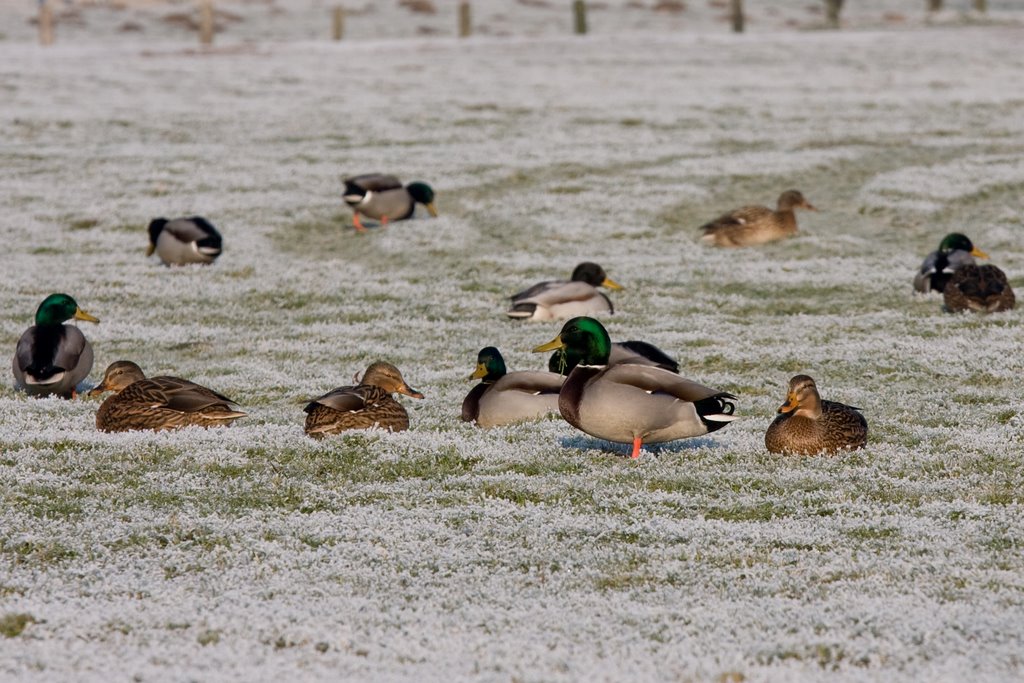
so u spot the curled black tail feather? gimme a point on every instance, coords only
(719, 404)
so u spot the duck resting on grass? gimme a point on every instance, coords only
(955, 250)
(51, 358)
(182, 241)
(504, 397)
(157, 403)
(383, 198)
(808, 425)
(752, 225)
(630, 403)
(560, 299)
(366, 404)
(982, 289)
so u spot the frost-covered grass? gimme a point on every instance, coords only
(532, 553)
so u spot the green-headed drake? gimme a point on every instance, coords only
(808, 425)
(183, 241)
(982, 289)
(954, 250)
(504, 397)
(157, 403)
(52, 358)
(383, 198)
(366, 404)
(630, 403)
(559, 299)
(752, 225)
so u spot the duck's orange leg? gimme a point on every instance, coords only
(356, 223)
(637, 443)
(383, 221)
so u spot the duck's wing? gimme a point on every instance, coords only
(373, 182)
(738, 219)
(656, 380)
(537, 290)
(530, 382)
(343, 399)
(556, 292)
(641, 353)
(174, 393)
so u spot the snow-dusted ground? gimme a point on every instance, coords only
(532, 553)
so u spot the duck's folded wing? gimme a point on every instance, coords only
(530, 382)
(641, 353)
(344, 399)
(536, 290)
(190, 229)
(374, 182)
(70, 348)
(178, 394)
(656, 380)
(561, 292)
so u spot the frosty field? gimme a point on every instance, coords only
(529, 553)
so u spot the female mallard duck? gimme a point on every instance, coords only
(364, 405)
(52, 358)
(505, 397)
(629, 403)
(752, 225)
(382, 197)
(807, 425)
(955, 250)
(182, 241)
(636, 352)
(157, 403)
(984, 289)
(558, 299)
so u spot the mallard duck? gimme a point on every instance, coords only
(52, 358)
(630, 403)
(382, 197)
(984, 289)
(157, 403)
(504, 397)
(558, 299)
(634, 351)
(954, 250)
(751, 225)
(369, 403)
(807, 425)
(182, 241)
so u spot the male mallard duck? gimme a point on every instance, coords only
(955, 250)
(382, 197)
(629, 403)
(634, 351)
(751, 225)
(558, 299)
(978, 288)
(361, 406)
(807, 425)
(157, 403)
(506, 397)
(182, 241)
(52, 358)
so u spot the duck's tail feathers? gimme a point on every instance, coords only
(716, 411)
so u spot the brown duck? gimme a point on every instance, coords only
(157, 403)
(807, 425)
(752, 225)
(983, 289)
(366, 404)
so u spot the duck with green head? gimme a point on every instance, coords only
(955, 250)
(560, 299)
(52, 358)
(504, 397)
(629, 403)
(382, 197)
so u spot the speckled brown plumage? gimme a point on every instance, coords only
(363, 405)
(807, 425)
(158, 403)
(984, 289)
(752, 225)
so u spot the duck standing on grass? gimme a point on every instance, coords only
(955, 250)
(560, 299)
(752, 225)
(366, 404)
(182, 241)
(808, 425)
(382, 197)
(504, 397)
(51, 358)
(157, 403)
(630, 403)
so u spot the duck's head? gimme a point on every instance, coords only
(956, 241)
(424, 194)
(584, 338)
(803, 398)
(119, 375)
(57, 308)
(593, 274)
(387, 377)
(490, 366)
(156, 226)
(794, 199)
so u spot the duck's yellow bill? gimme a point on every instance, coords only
(978, 252)
(611, 284)
(791, 404)
(481, 371)
(555, 343)
(150, 249)
(82, 315)
(432, 209)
